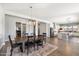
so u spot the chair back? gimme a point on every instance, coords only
(26, 34)
(30, 38)
(10, 41)
(40, 37)
(44, 34)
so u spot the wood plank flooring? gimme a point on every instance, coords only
(65, 47)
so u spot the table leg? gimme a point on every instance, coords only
(34, 45)
(23, 46)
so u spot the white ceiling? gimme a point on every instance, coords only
(42, 10)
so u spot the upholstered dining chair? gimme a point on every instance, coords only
(26, 34)
(39, 41)
(14, 45)
(44, 38)
(29, 43)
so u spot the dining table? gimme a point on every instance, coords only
(21, 40)
(24, 39)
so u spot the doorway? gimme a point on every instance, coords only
(18, 29)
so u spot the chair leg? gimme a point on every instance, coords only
(21, 49)
(45, 41)
(27, 50)
(42, 44)
(11, 52)
(34, 47)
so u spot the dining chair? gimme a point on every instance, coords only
(14, 45)
(44, 38)
(26, 34)
(39, 41)
(29, 43)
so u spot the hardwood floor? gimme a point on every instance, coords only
(65, 47)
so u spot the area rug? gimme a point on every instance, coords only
(46, 50)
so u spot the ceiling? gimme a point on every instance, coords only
(42, 10)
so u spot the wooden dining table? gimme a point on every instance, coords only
(25, 39)
(21, 40)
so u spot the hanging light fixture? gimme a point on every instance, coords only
(32, 22)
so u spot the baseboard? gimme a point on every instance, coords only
(2, 45)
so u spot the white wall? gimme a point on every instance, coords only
(42, 28)
(2, 27)
(10, 25)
